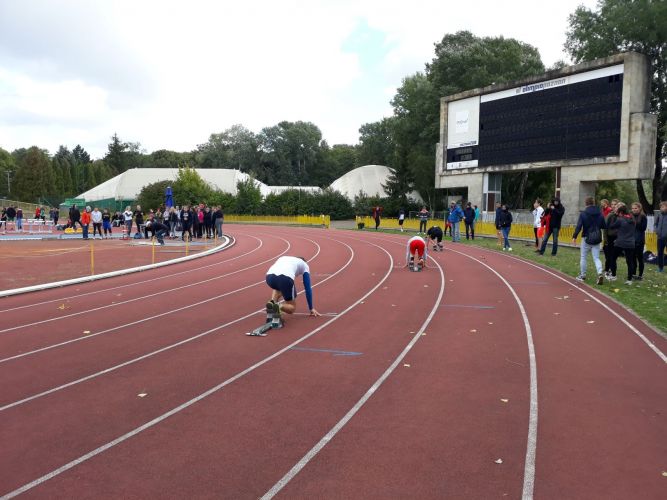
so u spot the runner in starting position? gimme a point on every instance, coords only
(435, 235)
(416, 250)
(280, 278)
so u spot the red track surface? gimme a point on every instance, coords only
(433, 429)
(33, 262)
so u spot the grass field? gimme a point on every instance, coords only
(647, 298)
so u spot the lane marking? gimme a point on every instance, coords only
(335, 352)
(123, 302)
(348, 416)
(86, 279)
(470, 306)
(135, 283)
(163, 349)
(639, 334)
(198, 398)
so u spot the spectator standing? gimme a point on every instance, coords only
(660, 228)
(173, 220)
(641, 222)
(38, 213)
(106, 223)
(608, 246)
(590, 224)
(19, 219)
(499, 232)
(377, 212)
(11, 216)
(127, 219)
(208, 222)
(401, 218)
(537, 212)
(504, 222)
(96, 218)
(218, 218)
(85, 222)
(138, 218)
(625, 239)
(55, 216)
(455, 217)
(75, 217)
(469, 218)
(605, 207)
(423, 219)
(186, 221)
(557, 210)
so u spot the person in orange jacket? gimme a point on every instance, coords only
(85, 221)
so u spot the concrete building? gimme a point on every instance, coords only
(590, 122)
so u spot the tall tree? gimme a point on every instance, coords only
(619, 26)
(376, 146)
(34, 180)
(116, 157)
(7, 172)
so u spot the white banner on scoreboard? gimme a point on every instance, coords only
(463, 123)
(557, 82)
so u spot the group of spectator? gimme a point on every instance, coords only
(196, 221)
(16, 215)
(621, 231)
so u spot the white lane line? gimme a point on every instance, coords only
(531, 445)
(122, 272)
(196, 399)
(634, 330)
(147, 318)
(136, 283)
(166, 348)
(123, 302)
(348, 416)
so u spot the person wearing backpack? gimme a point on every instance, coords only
(625, 240)
(590, 224)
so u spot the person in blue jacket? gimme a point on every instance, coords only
(455, 217)
(280, 278)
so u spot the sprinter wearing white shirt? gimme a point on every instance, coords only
(280, 277)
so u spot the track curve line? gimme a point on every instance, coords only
(135, 283)
(157, 351)
(632, 328)
(123, 302)
(57, 284)
(531, 446)
(209, 392)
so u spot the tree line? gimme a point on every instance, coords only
(293, 153)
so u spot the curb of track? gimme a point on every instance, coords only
(230, 241)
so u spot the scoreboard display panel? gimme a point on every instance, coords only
(572, 117)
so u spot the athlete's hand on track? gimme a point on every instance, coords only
(313, 312)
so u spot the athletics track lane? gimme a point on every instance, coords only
(203, 477)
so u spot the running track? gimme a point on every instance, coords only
(411, 385)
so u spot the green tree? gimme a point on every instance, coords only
(629, 25)
(34, 178)
(7, 166)
(189, 188)
(152, 195)
(116, 156)
(376, 146)
(248, 197)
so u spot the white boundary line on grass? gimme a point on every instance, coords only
(200, 397)
(56, 284)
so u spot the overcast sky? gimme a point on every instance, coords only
(168, 74)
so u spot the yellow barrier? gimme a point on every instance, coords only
(301, 220)
(523, 231)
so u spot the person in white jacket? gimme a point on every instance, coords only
(96, 219)
(537, 212)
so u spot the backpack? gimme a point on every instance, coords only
(137, 236)
(594, 236)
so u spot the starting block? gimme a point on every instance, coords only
(414, 266)
(273, 321)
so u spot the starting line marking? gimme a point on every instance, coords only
(335, 352)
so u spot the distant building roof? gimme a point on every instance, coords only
(367, 179)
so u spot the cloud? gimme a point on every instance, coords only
(169, 73)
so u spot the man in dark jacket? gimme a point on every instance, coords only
(590, 224)
(469, 218)
(556, 209)
(74, 217)
(158, 229)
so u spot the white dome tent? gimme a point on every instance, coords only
(367, 179)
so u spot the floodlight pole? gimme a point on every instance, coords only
(9, 182)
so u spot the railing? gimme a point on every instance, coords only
(521, 231)
(298, 220)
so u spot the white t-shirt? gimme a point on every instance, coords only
(537, 215)
(127, 215)
(289, 266)
(401, 216)
(96, 216)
